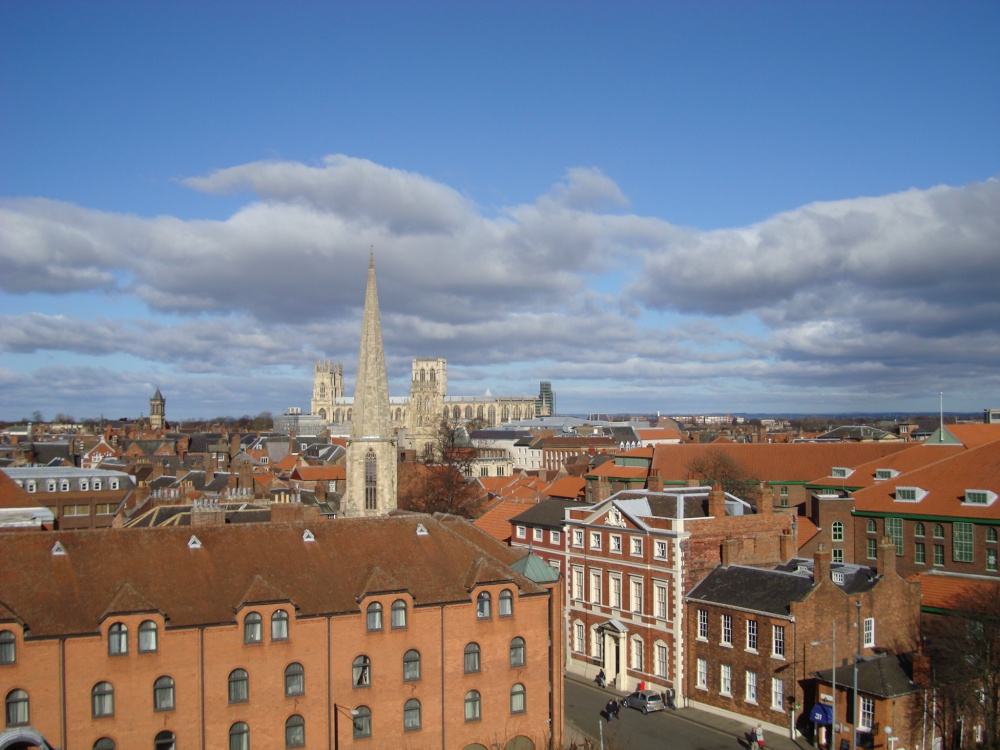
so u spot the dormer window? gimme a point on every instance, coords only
(841, 472)
(882, 474)
(909, 494)
(979, 497)
(838, 577)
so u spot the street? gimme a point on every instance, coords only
(684, 729)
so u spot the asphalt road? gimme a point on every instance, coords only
(634, 731)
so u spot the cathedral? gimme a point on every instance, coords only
(418, 415)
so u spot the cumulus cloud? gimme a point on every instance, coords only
(853, 294)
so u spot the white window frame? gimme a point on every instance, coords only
(615, 590)
(538, 535)
(867, 714)
(577, 537)
(635, 546)
(615, 545)
(553, 536)
(777, 694)
(778, 641)
(578, 583)
(660, 600)
(752, 635)
(636, 595)
(595, 540)
(726, 631)
(520, 532)
(595, 587)
(702, 625)
(701, 678)
(750, 689)
(725, 680)
(662, 664)
(869, 640)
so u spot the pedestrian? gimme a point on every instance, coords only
(611, 709)
(759, 736)
(601, 679)
(669, 699)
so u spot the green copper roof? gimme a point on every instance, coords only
(533, 567)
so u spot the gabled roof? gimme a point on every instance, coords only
(567, 487)
(13, 496)
(325, 473)
(495, 521)
(915, 457)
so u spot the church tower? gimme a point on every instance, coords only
(371, 448)
(157, 411)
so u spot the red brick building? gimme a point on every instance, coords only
(408, 630)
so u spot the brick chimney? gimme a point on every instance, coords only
(765, 500)
(821, 564)
(717, 502)
(730, 550)
(886, 564)
(786, 546)
(655, 482)
(602, 490)
(292, 512)
(207, 512)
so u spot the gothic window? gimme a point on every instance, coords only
(422, 374)
(322, 390)
(433, 378)
(479, 412)
(371, 481)
(468, 412)
(457, 413)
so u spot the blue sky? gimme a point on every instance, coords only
(676, 207)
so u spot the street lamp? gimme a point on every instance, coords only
(336, 712)
(831, 744)
(857, 658)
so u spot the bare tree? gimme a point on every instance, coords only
(965, 658)
(441, 480)
(716, 467)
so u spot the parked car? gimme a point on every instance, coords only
(645, 701)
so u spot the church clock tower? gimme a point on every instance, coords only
(157, 411)
(371, 447)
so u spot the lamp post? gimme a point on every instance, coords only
(336, 712)
(833, 679)
(857, 658)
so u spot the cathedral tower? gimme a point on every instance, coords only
(157, 411)
(371, 448)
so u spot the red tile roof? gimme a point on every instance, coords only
(917, 456)
(72, 592)
(945, 483)
(567, 487)
(13, 496)
(319, 473)
(496, 520)
(773, 462)
(944, 591)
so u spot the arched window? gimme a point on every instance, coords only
(479, 412)
(118, 639)
(163, 694)
(279, 625)
(105, 743)
(837, 531)
(375, 616)
(517, 652)
(472, 658)
(8, 647)
(456, 413)
(362, 672)
(918, 529)
(362, 722)
(468, 412)
(239, 736)
(433, 376)
(398, 614)
(871, 526)
(506, 603)
(371, 480)
(411, 715)
(473, 706)
(147, 637)
(517, 702)
(991, 535)
(18, 709)
(938, 531)
(165, 741)
(239, 686)
(483, 601)
(295, 680)
(252, 628)
(295, 731)
(102, 700)
(411, 665)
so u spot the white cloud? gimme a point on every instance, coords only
(872, 296)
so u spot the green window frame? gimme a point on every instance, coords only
(894, 529)
(872, 549)
(919, 553)
(962, 541)
(938, 555)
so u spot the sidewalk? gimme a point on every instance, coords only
(737, 727)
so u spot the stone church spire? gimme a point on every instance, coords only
(371, 448)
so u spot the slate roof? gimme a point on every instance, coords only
(856, 578)
(70, 593)
(885, 676)
(548, 514)
(755, 589)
